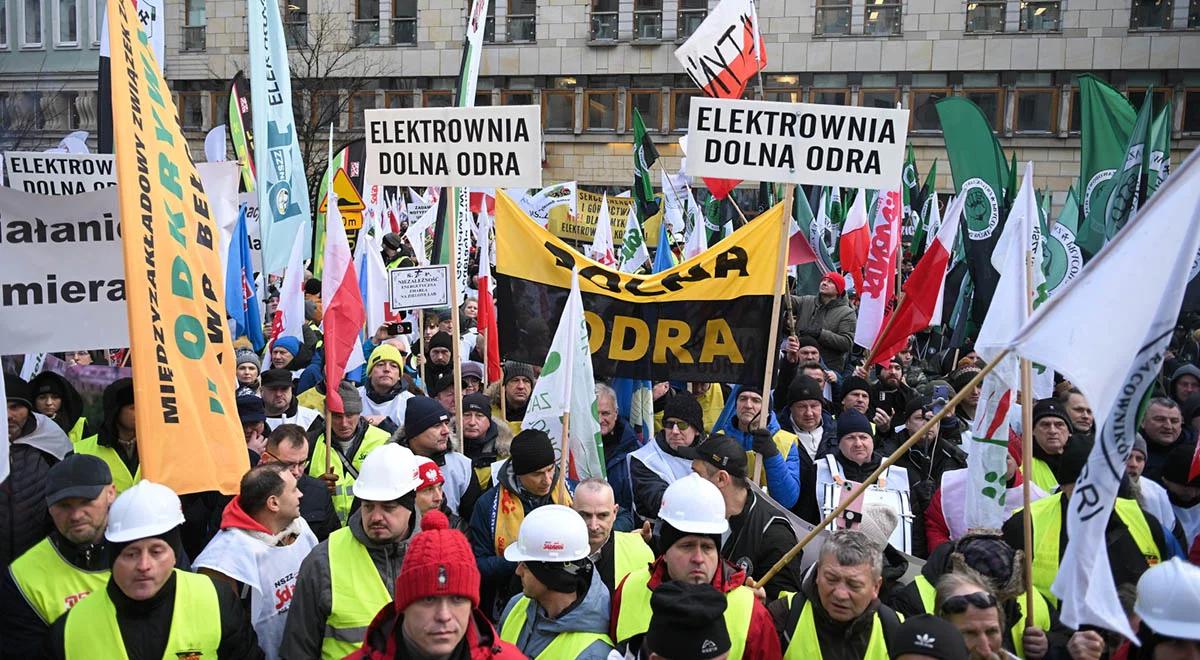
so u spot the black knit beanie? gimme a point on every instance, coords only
(531, 450)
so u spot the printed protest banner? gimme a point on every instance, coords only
(481, 147)
(796, 143)
(421, 287)
(181, 352)
(702, 320)
(62, 277)
(45, 173)
(582, 226)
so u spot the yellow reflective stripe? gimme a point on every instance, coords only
(805, 645)
(122, 480)
(1043, 476)
(928, 592)
(1047, 526)
(1139, 528)
(50, 584)
(195, 623)
(630, 553)
(1041, 619)
(565, 645)
(357, 593)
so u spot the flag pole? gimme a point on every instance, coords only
(328, 422)
(566, 430)
(772, 349)
(890, 461)
(455, 344)
(1027, 447)
(424, 346)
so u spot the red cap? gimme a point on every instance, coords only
(839, 282)
(439, 562)
(430, 474)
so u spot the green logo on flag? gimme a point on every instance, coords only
(980, 208)
(1095, 191)
(1063, 258)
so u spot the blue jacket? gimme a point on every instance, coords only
(783, 474)
(616, 466)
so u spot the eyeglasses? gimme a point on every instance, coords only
(293, 465)
(677, 425)
(958, 604)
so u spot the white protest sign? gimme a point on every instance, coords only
(419, 288)
(824, 145)
(62, 272)
(57, 173)
(492, 146)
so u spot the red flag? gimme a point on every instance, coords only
(799, 250)
(922, 292)
(1194, 471)
(878, 285)
(487, 307)
(343, 307)
(856, 237)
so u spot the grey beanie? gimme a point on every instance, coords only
(245, 356)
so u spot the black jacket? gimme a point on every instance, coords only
(648, 487)
(146, 624)
(839, 641)
(925, 466)
(24, 632)
(808, 507)
(316, 507)
(71, 408)
(758, 537)
(24, 519)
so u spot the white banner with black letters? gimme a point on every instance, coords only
(824, 145)
(54, 173)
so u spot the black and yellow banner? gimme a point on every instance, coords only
(705, 320)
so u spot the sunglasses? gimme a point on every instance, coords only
(302, 465)
(958, 604)
(677, 425)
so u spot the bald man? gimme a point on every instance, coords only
(615, 554)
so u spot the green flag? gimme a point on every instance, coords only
(910, 190)
(1106, 119)
(808, 276)
(645, 155)
(1158, 162)
(1123, 197)
(981, 174)
(922, 206)
(1063, 259)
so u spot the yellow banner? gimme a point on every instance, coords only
(189, 436)
(744, 264)
(582, 227)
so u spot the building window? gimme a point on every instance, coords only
(691, 14)
(1137, 96)
(833, 17)
(437, 98)
(326, 106)
(71, 103)
(67, 18)
(830, 96)
(26, 112)
(196, 20)
(649, 105)
(191, 111)
(404, 22)
(489, 26)
(604, 20)
(680, 103)
(782, 89)
(295, 24)
(1040, 15)
(985, 16)
(402, 99)
(31, 35)
(1194, 14)
(1191, 111)
(924, 115)
(1075, 124)
(516, 97)
(1151, 15)
(3, 23)
(1037, 110)
(647, 20)
(522, 17)
(882, 18)
(220, 108)
(991, 103)
(878, 98)
(359, 103)
(366, 23)
(601, 112)
(558, 110)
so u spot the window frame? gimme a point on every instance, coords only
(506, 94)
(972, 4)
(41, 22)
(898, 28)
(1195, 92)
(1021, 13)
(1168, 23)
(295, 27)
(630, 92)
(397, 20)
(946, 91)
(397, 94)
(821, 7)
(547, 94)
(508, 24)
(639, 13)
(813, 91)
(96, 9)
(1135, 94)
(682, 13)
(56, 21)
(1017, 93)
(593, 15)
(998, 120)
(195, 37)
(894, 91)
(355, 111)
(616, 99)
(314, 106)
(6, 16)
(180, 100)
(220, 111)
(427, 94)
(676, 94)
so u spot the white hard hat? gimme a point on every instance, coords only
(1168, 598)
(693, 504)
(146, 509)
(552, 532)
(388, 473)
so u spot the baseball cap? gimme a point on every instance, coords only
(78, 475)
(719, 451)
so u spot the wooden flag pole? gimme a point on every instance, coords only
(424, 347)
(566, 444)
(891, 460)
(1027, 448)
(455, 347)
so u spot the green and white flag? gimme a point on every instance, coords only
(566, 386)
(1063, 259)
(1125, 194)
(634, 253)
(1106, 120)
(1158, 162)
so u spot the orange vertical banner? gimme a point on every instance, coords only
(189, 436)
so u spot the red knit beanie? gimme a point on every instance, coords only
(839, 282)
(439, 562)
(430, 474)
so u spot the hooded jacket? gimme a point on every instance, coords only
(837, 321)
(588, 614)
(70, 412)
(385, 640)
(312, 600)
(618, 445)
(24, 517)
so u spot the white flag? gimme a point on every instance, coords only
(368, 263)
(566, 385)
(1114, 358)
(417, 231)
(602, 243)
(697, 240)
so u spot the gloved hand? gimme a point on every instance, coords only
(812, 330)
(763, 444)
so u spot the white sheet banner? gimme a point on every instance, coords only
(57, 173)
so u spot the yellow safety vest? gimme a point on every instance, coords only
(92, 627)
(357, 593)
(76, 432)
(630, 553)
(1041, 612)
(712, 403)
(805, 645)
(311, 398)
(483, 475)
(1042, 476)
(122, 480)
(50, 584)
(633, 618)
(1047, 526)
(565, 645)
(343, 495)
